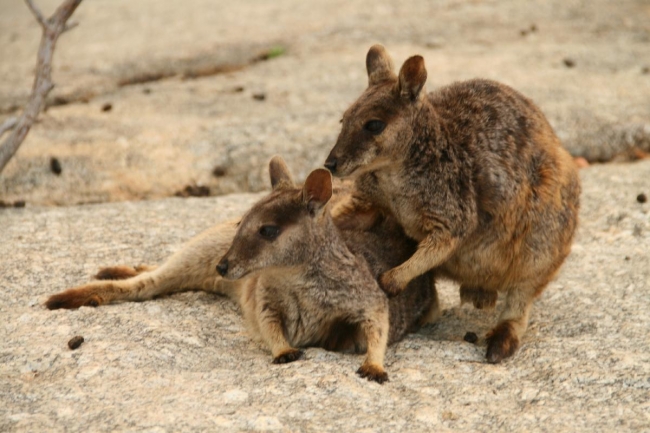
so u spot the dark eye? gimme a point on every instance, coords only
(269, 232)
(374, 126)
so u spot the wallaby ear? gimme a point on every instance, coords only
(279, 172)
(412, 77)
(379, 65)
(317, 189)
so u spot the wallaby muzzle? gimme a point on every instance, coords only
(222, 267)
(331, 163)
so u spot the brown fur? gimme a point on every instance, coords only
(476, 175)
(194, 268)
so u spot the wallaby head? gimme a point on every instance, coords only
(280, 228)
(382, 118)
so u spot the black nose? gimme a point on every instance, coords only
(222, 267)
(330, 164)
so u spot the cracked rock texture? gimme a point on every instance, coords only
(186, 362)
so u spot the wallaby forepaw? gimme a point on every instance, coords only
(502, 343)
(389, 284)
(373, 372)
(72, 299)
(289, 356)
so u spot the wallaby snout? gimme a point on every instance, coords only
(222, 267)
(330, 163)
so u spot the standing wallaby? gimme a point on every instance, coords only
(324, 291)
(472, 171)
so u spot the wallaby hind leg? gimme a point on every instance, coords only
(479, 297)
(504, 340)
(122, 272)
(376, 329)
(191, 268)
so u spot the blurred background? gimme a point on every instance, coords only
(157, 98)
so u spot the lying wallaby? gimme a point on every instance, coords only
(313, 282)
(298, 283)
(474, 173)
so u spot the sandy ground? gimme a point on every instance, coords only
(161, 136)
(186, 362)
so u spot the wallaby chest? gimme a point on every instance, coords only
(388, 188)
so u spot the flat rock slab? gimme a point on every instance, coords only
(210, 106)
(186, 363)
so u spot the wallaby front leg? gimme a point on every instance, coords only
(376, 330)
(431, 252)
(272, 332)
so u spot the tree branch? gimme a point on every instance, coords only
(37, 13)
(53, 27)
(8, 125)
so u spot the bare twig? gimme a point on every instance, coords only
(70, 26)
(8, 125)
(53, 27)
(37, 13)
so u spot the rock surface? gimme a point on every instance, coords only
(186, 363)
(141, 56)
(152, 97)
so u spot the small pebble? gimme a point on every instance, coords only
(532, 29)
(75, 342)
(146, 90)
(641, 198)
(645, 70)
(569, 63)
(471, 337)
(107, 107)
(55, 166)
(259, 96)
(194, 191)
(238, 89)
(219, 171)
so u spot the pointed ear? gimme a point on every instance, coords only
(379, 65)
(412, 77)
(279, 172)
(317, 189)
